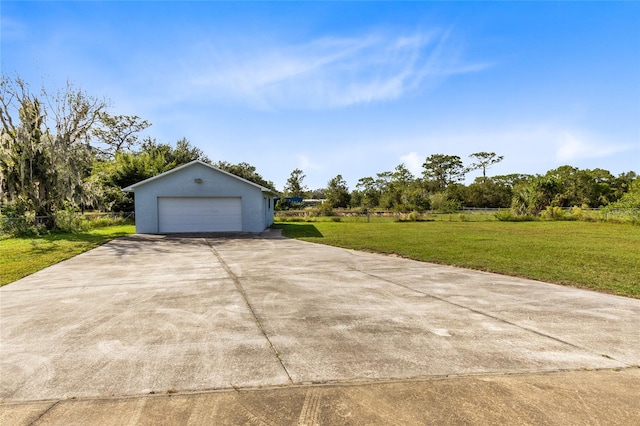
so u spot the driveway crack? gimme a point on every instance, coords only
(37, 419)
(240, 289)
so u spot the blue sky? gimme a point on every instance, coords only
(352, 88)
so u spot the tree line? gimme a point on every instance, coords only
(440, 188)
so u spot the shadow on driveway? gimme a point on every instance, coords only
(299, 231)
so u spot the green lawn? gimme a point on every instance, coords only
(20, 257)
(600, 256)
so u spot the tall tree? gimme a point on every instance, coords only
(317, 193)
(368, 192)
(294, 186)
(23, 162)
(184, 152)
(443, 170)
(384, 186)
(491, 192)
(117, 133)
(396, 189)
(401, 185)
(511, 180)
(128, 168)
(622, 184)
(484, 160)
(482, 191)
(151, 159)
(245, 171)
(46, 168)
(337, 192)
(578, 187)
(630, 199)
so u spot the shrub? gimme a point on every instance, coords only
(510, 216)
(621, 215)
(627, 208)
(21, 226)
(441, 203)
(290, 219)
(552, 213)
(414, 216)
(18, 221)
(576, 212)
(325, 209)
(99, 221)
(68, 220)
(556, 213)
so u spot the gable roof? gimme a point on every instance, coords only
(132, 188)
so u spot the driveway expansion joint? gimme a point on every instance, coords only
(497, 318)
(243, 293)
(324, 384)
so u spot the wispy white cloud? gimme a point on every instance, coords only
(12, 29)
(414, 162)
(328, 72)
(572, 147)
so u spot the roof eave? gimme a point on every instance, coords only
(132, 188)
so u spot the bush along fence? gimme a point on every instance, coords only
(64, 220)
(360, 214)
(629, 215)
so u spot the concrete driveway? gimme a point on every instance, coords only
(266, 329)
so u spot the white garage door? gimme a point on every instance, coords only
(190, 214)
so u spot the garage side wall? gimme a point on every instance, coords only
(270, 210)
(182, 183)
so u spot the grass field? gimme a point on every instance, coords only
(599, 256)
(20, 257)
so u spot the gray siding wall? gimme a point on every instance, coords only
(256, 214)
(270, 210)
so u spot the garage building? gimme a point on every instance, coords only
(198, 197)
